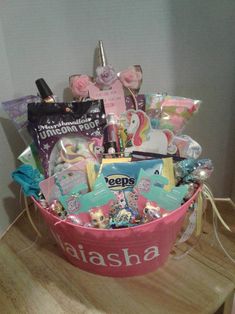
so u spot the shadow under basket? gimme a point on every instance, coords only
(118, 252)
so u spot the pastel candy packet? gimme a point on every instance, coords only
(66, 133)
(170, 112)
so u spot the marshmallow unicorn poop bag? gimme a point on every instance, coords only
(141, 136)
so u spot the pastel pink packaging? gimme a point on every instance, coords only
(170, 112)
(114, 100)
(118, 252)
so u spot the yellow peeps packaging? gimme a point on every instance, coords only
(168, 172)
(92, 173)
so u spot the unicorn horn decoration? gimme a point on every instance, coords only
(101, 56)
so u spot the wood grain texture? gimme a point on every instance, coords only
(37, 279)
(208, 250)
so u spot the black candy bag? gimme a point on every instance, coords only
(66, 133)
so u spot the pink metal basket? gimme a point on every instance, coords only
(118, 252)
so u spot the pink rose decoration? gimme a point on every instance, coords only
(79, 85)
(131, 77)
(106, 75)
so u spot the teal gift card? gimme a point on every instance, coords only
(155, 179)
(70, 201)
(76, 202)
(152, 188)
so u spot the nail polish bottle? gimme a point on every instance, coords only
(45, 91)
(111, 140)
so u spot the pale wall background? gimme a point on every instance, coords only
(185, 47)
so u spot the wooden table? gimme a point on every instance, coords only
(37, 279)
(208, 250)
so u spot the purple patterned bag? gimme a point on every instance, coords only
(66, 133)
(17, 112)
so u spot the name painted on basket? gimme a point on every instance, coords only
(111, 259)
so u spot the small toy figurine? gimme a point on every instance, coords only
(121, 200)
(98, 219)
(151, 212)
(58, 209)
(120, 219)
(124, 217)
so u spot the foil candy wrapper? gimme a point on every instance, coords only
(192, 187)
(151, 212)
(74, 219)
(191, 170)
(188, 147)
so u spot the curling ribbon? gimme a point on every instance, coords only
(190, 228)
(199, 213)
(29, 216)
(207, 192)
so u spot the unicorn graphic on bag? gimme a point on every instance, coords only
(142, 137)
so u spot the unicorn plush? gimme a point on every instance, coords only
(143, 138)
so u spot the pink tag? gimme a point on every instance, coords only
(114, 100)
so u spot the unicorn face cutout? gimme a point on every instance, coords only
(143, 137)
(134, 124)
